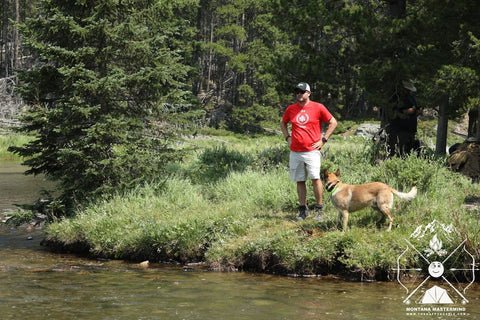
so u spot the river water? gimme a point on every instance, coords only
(37, 284)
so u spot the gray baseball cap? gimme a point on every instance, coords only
(303, 86)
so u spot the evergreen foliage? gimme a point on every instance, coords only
(104, 69)
(249, 53)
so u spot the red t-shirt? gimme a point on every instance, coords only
(306, 124)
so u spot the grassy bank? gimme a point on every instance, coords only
(7, 140)
(232, 205)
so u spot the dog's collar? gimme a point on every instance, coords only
(333, 188)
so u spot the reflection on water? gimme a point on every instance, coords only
(17, 188)
(37, 284)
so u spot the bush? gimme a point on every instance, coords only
(19, 216)
(216, 163)
(270, 158)
(404, 173)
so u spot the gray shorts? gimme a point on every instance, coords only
(303, 163)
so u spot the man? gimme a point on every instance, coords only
(305, 142)
(403, 125)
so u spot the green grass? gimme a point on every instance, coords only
(232, 205)
(8, 140)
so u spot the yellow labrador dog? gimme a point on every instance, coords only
(349, 198)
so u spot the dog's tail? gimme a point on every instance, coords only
(406, 196)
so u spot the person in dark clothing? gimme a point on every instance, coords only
(402, 127)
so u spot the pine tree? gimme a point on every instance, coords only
(105, 67)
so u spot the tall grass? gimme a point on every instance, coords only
(235, 208)
(9, 140)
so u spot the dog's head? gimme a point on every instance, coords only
(331, 179)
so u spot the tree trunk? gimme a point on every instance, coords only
(210, 57)
(477, 123)
(16, 45)
(4, 41)
(442, 126)
(473, 124)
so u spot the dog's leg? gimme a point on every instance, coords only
(382, 218)
(386, 212)
(339, 218)
(343, 214)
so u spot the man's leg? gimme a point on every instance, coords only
(302, 192)
(404, 142)
(302, 198)
(318, 191)
(393, 144)
(312, 165)
(298, 174)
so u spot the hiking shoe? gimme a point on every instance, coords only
(318, 212)
(303, 213)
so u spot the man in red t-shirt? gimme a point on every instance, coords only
(305, 142)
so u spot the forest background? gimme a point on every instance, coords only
(105, 88)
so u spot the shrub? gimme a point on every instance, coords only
(271, 158)
(406, 172)
(217, 162)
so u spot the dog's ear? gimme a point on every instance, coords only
(337, 173)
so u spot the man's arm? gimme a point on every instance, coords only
(284, 128)
(410, 105)
(332, 124)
